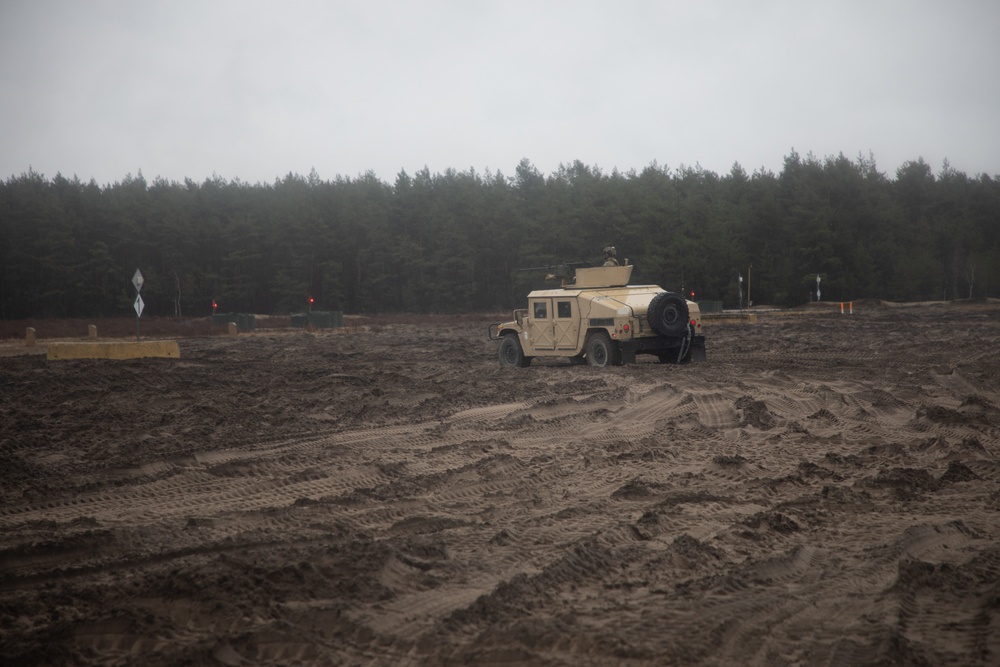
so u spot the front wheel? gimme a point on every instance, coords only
(602, 352)
(511, 354)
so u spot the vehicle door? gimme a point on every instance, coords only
(540, 327)
(566, 324)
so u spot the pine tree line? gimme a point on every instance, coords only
(452, 242)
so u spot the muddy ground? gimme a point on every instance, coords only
(824, 491)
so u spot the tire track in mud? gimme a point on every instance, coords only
(792, 569)
(278, 480)
(763, 508)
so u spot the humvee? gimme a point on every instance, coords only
(601, 320)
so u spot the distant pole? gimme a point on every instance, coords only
(749, 300)
(818, 295)
(741, 293)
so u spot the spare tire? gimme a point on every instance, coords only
(668, 314)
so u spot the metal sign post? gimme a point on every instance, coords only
(137, 304)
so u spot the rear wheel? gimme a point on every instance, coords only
(671, 356)
(682, 354)
(668, 357)
(602, 352)
(511, 353)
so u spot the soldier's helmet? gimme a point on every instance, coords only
(610, 251)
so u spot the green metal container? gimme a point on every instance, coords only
(319, 319)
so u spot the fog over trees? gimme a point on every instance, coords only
(451, 242)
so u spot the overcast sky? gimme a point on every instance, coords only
(253, 90)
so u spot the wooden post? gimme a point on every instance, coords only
(29, 337)
(92, 332)
(232, 328)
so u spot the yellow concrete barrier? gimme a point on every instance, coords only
(720, 318)
(114, 350)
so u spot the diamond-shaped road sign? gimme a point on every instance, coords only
(137, 280)
(138, 305)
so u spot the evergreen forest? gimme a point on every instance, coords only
(453, 242)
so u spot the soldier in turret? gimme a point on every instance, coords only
(610, 256)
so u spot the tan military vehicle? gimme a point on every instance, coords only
(601, 320)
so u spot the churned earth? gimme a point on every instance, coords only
(825, 490)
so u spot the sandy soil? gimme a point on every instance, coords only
(824, 491)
